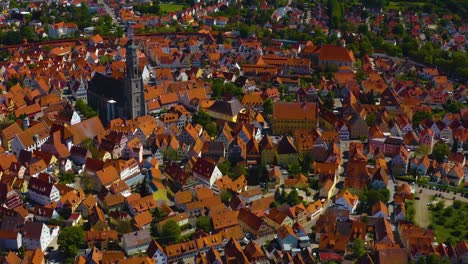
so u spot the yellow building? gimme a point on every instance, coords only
(290, 116)
(225, 110)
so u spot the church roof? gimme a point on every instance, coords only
(107, 87)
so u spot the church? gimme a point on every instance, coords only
(123, 98)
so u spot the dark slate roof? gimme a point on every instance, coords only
(285, 146)
(107, 87)
(40, 187)
(230, 108)
(204, 167)
(213, 146)
(33, 230)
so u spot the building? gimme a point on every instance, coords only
(333, 55)
(206, 172)
(225, 110)
(136, 242)
(42, 192)
(254, 224)
(38, 235)
(10, 240)
(156, 252)
(30, 139)
(113, 98)
(291, 116)
(347, 200)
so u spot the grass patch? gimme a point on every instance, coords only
(410, 210)
(449, 222)
(393, 5)
(167, 8)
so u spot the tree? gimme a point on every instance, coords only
(293, 197)
(158, 214)
(211, 128)
(422, 150)
(67, 177)
(371, 118)
(373, 196)
(204, 119)
(123, 227)
(70, 240)
(170, 154)
(441, 151)
(268, 106)
(358, 248)
(294, 168)
(226, 197)
(237, 171)
(225, 167)
(88, 183)
(171, 231)
(91, 146)
(204, 223)
(420, 116)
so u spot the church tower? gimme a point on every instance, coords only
(134, 91)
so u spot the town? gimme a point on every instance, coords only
(233, 132)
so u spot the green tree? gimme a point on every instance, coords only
(457, 204)
(237, 171)
(358, 248)
(294, 168)
(88, 183)
(441, 151)
(420, 116)
(123, 227)
(225, 167)
(268, 106)
(204, 223)
(293, 197)
(422, 150)
(226, 197)
(170, 154)
(158, 214)
(67, 177)
(91, 146)
(371, 118)
(171, 231)
(70, 240)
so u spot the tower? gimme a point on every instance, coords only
(134, 105)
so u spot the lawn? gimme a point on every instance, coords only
(449, 222)
(167, 8)
(402, 5)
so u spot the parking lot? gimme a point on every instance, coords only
(425, 196)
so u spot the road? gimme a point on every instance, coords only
(109, 11)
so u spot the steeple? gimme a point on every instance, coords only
(135, 102)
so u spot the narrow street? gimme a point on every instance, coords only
(109, 11)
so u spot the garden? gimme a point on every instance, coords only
(449, 223)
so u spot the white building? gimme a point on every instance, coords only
(347, 200)
(38, 235)
(42, 192)
(156, 252)
(30, 139)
